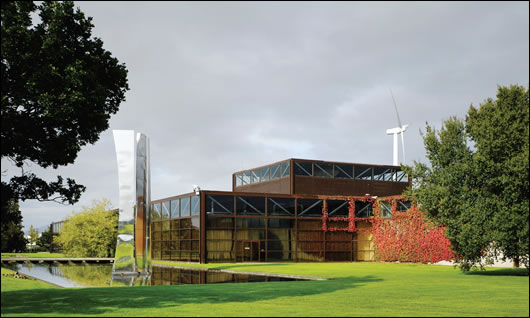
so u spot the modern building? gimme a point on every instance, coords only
(293, 210)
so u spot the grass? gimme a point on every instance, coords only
(15, 284)
(358, 289)
(33, 255)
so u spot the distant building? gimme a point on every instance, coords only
(55, 227)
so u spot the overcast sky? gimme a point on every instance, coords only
(222, 87)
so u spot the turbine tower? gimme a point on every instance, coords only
(395, 131)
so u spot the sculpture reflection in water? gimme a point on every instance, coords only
(132, 260)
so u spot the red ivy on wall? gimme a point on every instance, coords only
(406, 236)
(351, 218)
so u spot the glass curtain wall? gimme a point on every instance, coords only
(176, 229)
(272, 172)
(268, 228)
(348, 171)
(274, 228)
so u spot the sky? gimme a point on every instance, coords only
(220, 87)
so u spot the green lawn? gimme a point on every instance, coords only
(359, 289)
(13, 284)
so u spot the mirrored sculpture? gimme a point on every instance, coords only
(132, 260)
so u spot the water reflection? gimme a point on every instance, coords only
(175, 276)
(67, 275)
(99, 275)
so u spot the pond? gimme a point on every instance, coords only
(99, 275)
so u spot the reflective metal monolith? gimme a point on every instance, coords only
(132, 258)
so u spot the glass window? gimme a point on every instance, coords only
(382, 174)
(265, 174)
(310, 235)
(239, 180)
(195, 205)
(275, 171)
(281, 224)
(246, 177)
(157, 213)
(403, 206)
(165, 210)
(363, 209)
(280, 206)
(175, 213)
(185, 223)
(245, 234)
(303, 168)
(250, 206)
(285, 169)
(386, 209)
(310, 246)
(250, 223)
(185, 207)
(306, 225)
(401, 176)
(310, 207)
(219, 223)
(338, 208)
(220, 204)
(343, 171)
(196, 223)
(254, 176)
(323, 170)
(363, 173)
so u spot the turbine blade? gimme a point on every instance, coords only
(395, 107)
(403, 144)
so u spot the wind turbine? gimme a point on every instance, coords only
(395, 131)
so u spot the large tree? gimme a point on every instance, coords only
(477, 181)
(59, 88)
(92, 232)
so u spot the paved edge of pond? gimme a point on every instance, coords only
(58, 259)
(242, 272)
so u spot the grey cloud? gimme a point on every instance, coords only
(220, 87)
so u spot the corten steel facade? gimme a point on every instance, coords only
(269, 218)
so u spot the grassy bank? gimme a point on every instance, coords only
(14, 284)
(358, 289)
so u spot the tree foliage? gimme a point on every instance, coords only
(477, 181)
(46, 241)
(59, 88)
(33, 234)
(92, 232)
(13, 239)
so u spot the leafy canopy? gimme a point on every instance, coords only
(477, 181)
(59, 88)
(46, 241)
(92, 232)
(33, 234)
